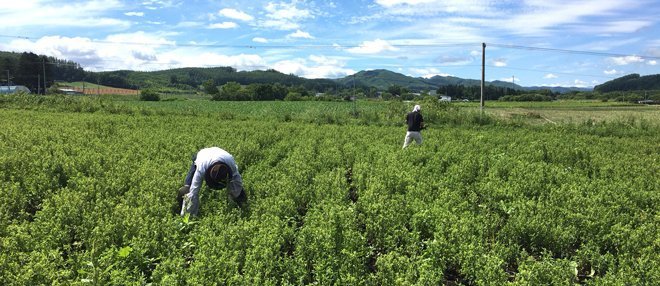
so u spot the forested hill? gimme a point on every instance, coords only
(382, 79)
(194, 77)
(631, 82)
(28, 69)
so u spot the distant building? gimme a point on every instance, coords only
(69, 91)
(13, 89)
(445, 98)
(648, 101)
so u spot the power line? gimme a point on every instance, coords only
(334, 46)
(565, 51)
(307, 46)
(554, 72)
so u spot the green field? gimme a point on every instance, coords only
(570, 111)
(488, 199)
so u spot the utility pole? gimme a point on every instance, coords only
(513, 88)
(354, 98)
(38, 84)
(483, 73)
(43, 63)
(8, 89)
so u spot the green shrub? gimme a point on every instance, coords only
(149, 95)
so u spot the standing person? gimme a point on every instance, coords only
(218, 168)
(415, 122)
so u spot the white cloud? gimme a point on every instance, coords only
(430, 75)
(286, 11)
(391, 3)
(426, 72)
(235, 14)
(143, 51)
(189, 24)
(315, 69)
(544, 17)
(372, 47)
(284, 16)
(280, 24)
(652, 62)
(136, 14)
(499, 62)
(157, 4)
(550, 76)
(579, 83)
(223, 25)
(617, 27)
(184, 58)
(300, 34)
(81, 50)
(120, 51)
(323, 60)
(139, 38)
(87, 14)
(611, 72)
(622, 61)
(432, 7)
(260, 40)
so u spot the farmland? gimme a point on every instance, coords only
(488, 199)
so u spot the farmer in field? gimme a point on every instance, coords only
(415, 122)
(218, 168)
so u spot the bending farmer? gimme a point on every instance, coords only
(415, 122)
(218, 168)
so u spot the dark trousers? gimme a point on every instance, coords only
(191, 172)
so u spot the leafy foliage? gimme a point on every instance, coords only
(88, 186)
(149, 95)
(630, 82)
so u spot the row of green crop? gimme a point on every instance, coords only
(369, 113)
(88, 199)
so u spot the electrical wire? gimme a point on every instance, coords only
(546, 71)
(335, 46)
(565, 51)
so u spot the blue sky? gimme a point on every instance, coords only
(532, 42)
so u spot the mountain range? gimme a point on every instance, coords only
(26, 65)
(382, 79)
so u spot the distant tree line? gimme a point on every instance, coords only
(29, 69)
(622, 96)
(256, 91)
(630, 82)
(492, 92)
